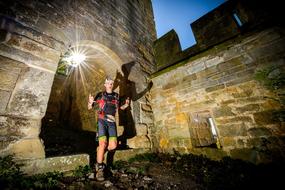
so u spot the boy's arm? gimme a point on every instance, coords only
(93, 100)
(90, 102)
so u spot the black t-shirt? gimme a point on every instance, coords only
(108, 102)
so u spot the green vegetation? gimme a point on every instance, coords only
(273, 78)
(82, 172)
(64, 66)
(11, 177)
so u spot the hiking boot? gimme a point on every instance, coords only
(100, 172)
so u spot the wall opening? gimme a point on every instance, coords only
(237, 19)
(203, 132)
(68, 126)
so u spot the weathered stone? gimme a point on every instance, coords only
(61, 164)
(141, 129)
(11, 66)
(213, 88)
(27, 149)
(228, 142)
(245, 154)
(226, 102)
(129, 153)
(181, 118)
(271, 105)
(190, 78)
(146, 117)
(196, 67)
(4, 97)
(248, 108)
(31, 94)
(239, 80)
(8, 80)
(244, 94)
(29, 59)
(19, 127)
(139, 142)
(223, 111)
(239, 119)
(212, 153)
(232, 130)
(179, 132)
(259, 131)
(169, 85)
(265, 117)
(214, 61)
(166, 49)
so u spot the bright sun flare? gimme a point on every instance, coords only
(77, 58)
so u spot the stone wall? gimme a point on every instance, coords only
(33, 34)
(220, 81)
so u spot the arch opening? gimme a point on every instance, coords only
(68, 126)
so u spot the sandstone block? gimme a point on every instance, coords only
(60, 163)
(27, 149)
(232, 130)
(139, 142)
(223, 111)
(141, 129)
(8, 80)
(4, 97)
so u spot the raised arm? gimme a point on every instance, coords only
(90, 101)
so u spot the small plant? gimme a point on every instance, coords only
(9, 172)
(119, 164)
(11, 177)
(82, 172)
(49, 180)
(273, 78)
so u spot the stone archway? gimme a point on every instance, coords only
(67, 107)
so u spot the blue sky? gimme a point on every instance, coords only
(178, 14)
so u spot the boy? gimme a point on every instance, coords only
(108, 102)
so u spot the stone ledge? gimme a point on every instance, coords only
(129, 153)
(63, 164)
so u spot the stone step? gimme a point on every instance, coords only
(126, 154)
(63, 164)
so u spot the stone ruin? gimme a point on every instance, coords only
(202, 100)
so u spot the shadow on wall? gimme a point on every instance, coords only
(127, 89)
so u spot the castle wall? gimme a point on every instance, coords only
(33, 36)
(220, 83)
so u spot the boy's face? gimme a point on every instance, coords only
(109, 85)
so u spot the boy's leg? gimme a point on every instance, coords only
(102, 135)
(112, 144)
(101, 150)
(111, 152)
(112, 130)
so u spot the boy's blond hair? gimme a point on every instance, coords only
(108, 79)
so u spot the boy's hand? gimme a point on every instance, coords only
(90, 99)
